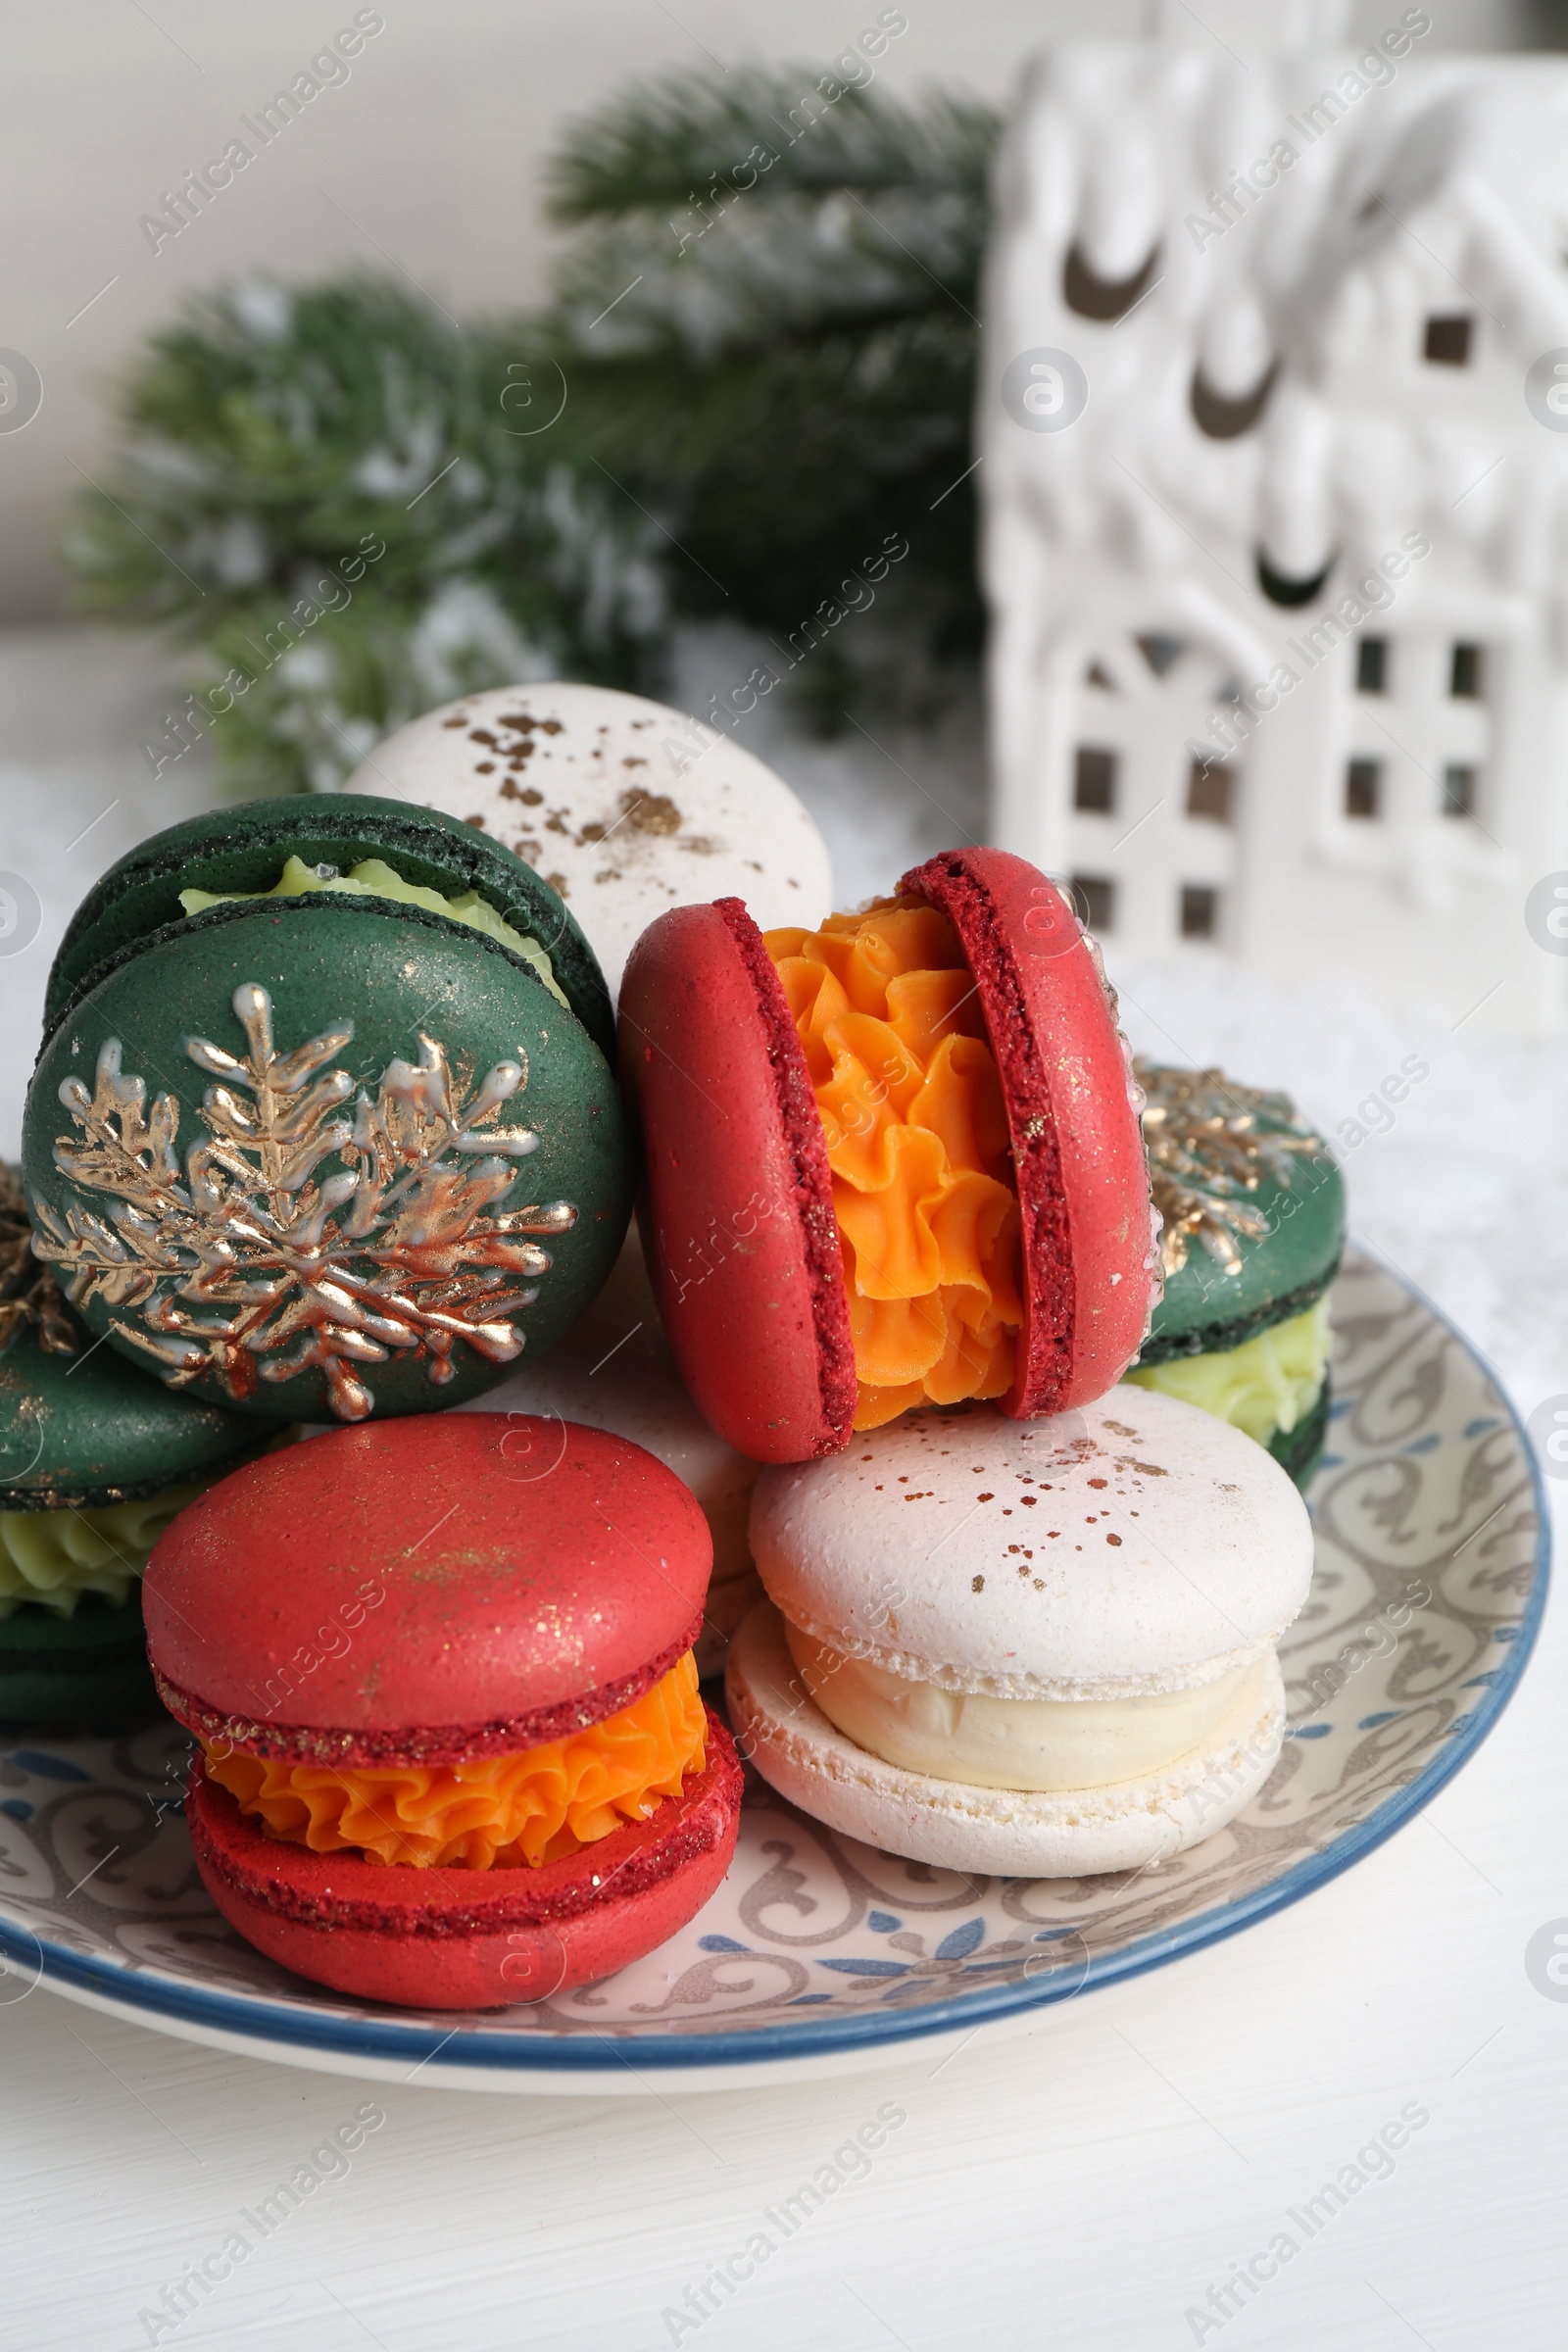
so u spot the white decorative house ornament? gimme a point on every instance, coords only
(1274, 421)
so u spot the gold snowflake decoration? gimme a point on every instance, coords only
(256, 1266)
(1209, 1143)
(27, 1290)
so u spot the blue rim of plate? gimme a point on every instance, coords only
(255, 2020)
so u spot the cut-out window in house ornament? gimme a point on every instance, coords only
(1224, 418)
(1094, 784)
(1280, 588)
(1363, 780)
(1211, 791)
(1092, 296)
(1372, 665)
(1448, 340)
(1199, 910)
(1467, 673)
(1160, 650)
(1459, 789)
(252, 1261)
(1095, 898)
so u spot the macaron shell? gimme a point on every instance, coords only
(461, 1584)
(399, 977)
(625, 807)
(738, 1205)
(90, 1428)
(469, 1939)
(244, 847)
(1299, 1451)
(1135, 1544)
(1090, 1264)
(726, 1605)
(1282, 1272)
(1012, 1832)
(80, 1670)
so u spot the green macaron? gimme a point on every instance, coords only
(1252, 1203)
(95, 1460)
(325, 1124)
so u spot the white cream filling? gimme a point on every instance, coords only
(1046, 1744)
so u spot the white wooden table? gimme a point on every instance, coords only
(1089, 2184)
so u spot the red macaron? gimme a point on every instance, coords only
(451, 1752)
(779, 1079)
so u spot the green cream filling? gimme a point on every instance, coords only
(373, 879)
(51, 1558)
(1268, 1383)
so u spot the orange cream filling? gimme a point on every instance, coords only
(500, 1813)
(923, 1185)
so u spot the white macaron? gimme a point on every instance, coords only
(1039, 1648)
(626, 808)
(614, 1370)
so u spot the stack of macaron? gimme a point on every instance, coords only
(895, 1193)
(333, 1122)
(451, 1749)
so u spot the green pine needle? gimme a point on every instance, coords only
(776, 127)
(769, 319)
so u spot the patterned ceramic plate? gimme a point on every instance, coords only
(818, 1954)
